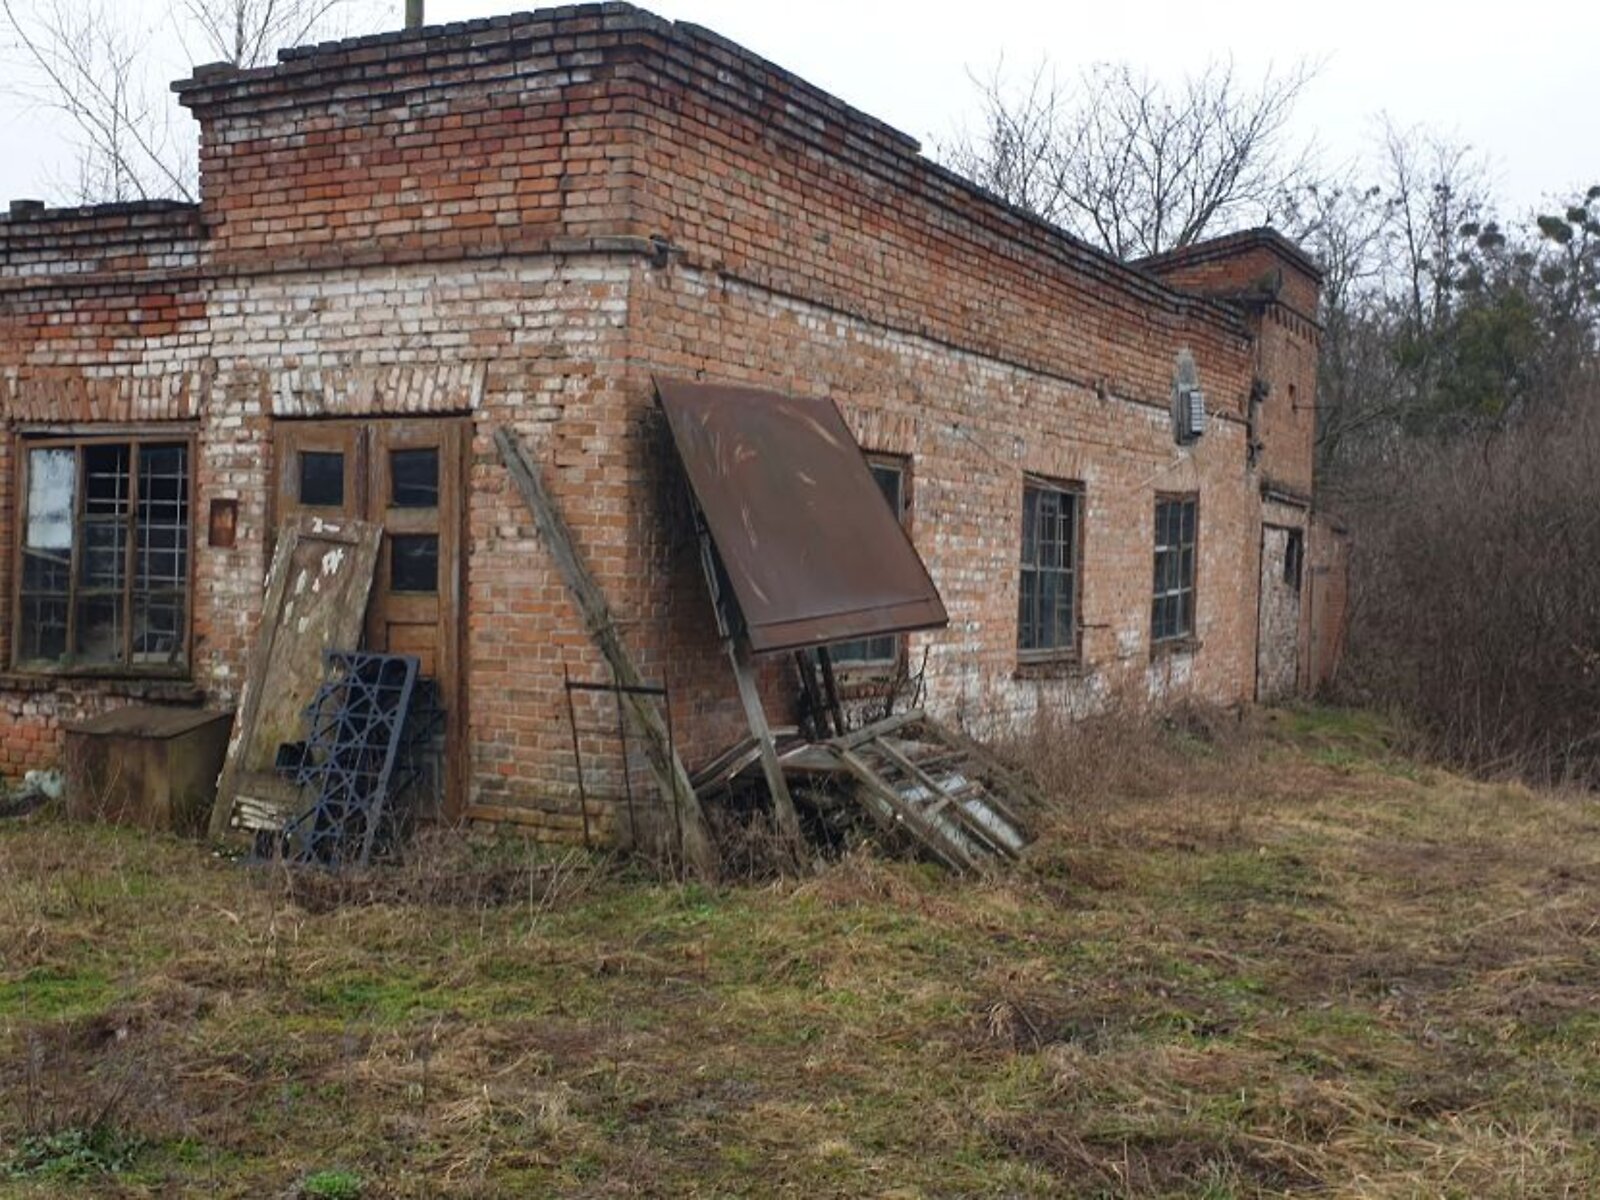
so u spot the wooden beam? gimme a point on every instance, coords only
(756, 714)
(830, 690)
(671, 778)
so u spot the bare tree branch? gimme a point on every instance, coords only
(90, 61)
(1123, 162)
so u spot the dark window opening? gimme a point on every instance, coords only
(883, 651)
(1047, 593)
(1172, 610)
(105, 556)
(414, 478)
(414, 562)
(322, 478)
(1294, 554)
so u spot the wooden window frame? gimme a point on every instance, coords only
(76, 439)
(1183, 638)
(1073, 651)
(874, 667)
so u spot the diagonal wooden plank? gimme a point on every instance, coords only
(946, 850)
(951, 796)
(671, 777)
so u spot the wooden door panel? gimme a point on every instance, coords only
(415, 489)
(407, 476)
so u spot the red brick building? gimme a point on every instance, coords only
(405, 241)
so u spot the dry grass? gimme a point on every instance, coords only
(1256, 958)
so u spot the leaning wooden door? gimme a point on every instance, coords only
(408, 476)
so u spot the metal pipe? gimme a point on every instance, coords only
(413, 14)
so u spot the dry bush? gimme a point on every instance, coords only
(1476, 594)
(1106, 771)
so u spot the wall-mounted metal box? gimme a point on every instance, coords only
(146, 765)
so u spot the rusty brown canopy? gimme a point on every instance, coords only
(811, 550)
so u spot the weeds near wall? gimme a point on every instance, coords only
(1102, 768)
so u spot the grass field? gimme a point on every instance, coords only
(1284, 960)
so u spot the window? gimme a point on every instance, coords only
(104, 548)
(322, 478)
(414, 478)
(1172, 612)
(1047, 597)
(890, 476)
(1294, 555)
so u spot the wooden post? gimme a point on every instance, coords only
(665, 764)
(730, 629)
(756, 714)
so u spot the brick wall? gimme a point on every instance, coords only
(523, 221)
(102, 321)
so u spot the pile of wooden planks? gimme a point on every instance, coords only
(918, 779)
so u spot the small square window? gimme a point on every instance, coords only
(322, 478)
(414, 562)
(414, 478)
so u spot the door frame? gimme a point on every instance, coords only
(354, 437)
(1261, 600)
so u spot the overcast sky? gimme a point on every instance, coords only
(1519, 84)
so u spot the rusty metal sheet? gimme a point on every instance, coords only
(811, 550)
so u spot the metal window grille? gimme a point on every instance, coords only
(1172, 609)
(369, 733)
(1047, 597)
(105, 554)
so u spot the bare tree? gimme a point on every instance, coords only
(88, 64)
(247, 33)
(1131, 165)
(1398, 244)
(92, 62)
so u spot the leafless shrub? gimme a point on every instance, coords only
(1107, 770)
(1476, 593)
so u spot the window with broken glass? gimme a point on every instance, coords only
(878, 652)
(105, 555)
(1172, 609)
(1047, 596)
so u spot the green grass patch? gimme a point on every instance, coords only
(1244, 963)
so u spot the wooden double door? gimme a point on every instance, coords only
(407, 475)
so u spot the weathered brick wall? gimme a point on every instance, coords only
(972, 426)
(405, 146)
(102, 320)
(530, 344)
(983, 345)
(1276, 287)
(461, 223)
